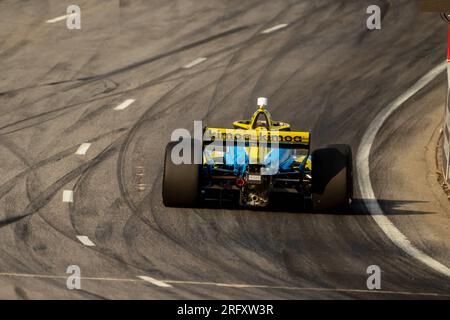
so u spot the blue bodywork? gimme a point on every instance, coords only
(237, 158)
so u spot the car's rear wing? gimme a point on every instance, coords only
(282, 139)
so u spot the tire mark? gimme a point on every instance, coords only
(250, 41)
(89, 79)
(128, 139)
(7, 186)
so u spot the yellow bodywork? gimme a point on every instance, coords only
(259, 135)
(253, 137)
(271, 125)
(256, 155)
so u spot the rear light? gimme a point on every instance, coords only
(240, 182)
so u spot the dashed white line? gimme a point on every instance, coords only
(195, 62)
(61, 18)
(275, 28)
(86, 241)
(229, 285)
(67, 196)
(155, 282)
(82, 150)
(365, 185)
(124, 104)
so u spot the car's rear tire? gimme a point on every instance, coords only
(332, 177)
(180, 181)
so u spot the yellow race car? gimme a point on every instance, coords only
(256, 161)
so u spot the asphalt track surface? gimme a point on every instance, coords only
(323, 72)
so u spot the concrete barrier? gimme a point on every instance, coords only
(443, 7)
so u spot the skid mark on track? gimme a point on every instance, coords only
(255, 37)
(121, 159)
(46, 196)
(4, 188)
(164, 55)
(365, 185)
(168, 284)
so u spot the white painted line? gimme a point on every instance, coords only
(67, 196)
(61, 18)
(43, 276)
(86, 241)
(255, 286)
(155, 282)
(365, 185)
(124, 104)
(230, 285)
(234, 285)
(82, 150)
(275, 28)
(195, 62)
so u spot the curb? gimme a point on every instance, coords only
(439, 163)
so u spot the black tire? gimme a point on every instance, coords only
(180, 181)
(332, 177)
(346, 150)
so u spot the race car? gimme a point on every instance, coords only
(256, 161)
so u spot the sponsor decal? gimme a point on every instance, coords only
(255, 136)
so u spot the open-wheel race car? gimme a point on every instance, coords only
(257, 160)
